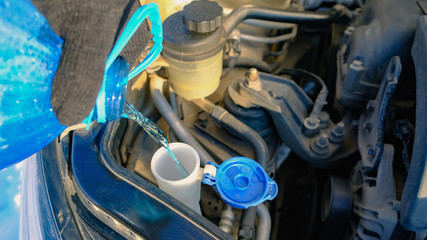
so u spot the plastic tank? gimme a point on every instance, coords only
(186, 190)
(193, 43)
(195, 79)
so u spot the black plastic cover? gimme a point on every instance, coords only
(202, 16)
(182, 44)
(414, 197)
(384, 29)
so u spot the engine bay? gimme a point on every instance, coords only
(325, 95)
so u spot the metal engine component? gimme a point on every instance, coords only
(375, 201)
(374, 207)
(372, 123)
(336, 206)
(255, 82)
(384, 29)
(289, 107)
(227, 218)
(313, 4)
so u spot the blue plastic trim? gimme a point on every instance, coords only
(133, 205)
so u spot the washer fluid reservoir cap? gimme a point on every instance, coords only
(202, 16)
(241, 182)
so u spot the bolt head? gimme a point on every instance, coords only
(324, 120)
(311, 126)
(253, 81)
(320, 145)
(203, 119)
(357, 65)
(253, 74)
(311, 122)
(322, 141)
(337, 133)
(339, 128)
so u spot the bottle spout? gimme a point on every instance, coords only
(111, 98)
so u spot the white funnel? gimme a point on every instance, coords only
(186, 190)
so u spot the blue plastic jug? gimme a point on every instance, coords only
(29, 55)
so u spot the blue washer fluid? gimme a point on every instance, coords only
(29, 55)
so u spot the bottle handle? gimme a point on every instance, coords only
(150, 11)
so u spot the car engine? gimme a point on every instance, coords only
(328, 96)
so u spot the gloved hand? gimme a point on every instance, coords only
(89, 30)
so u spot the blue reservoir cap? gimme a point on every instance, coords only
(242, 182)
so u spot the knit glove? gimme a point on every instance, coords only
(89, 29)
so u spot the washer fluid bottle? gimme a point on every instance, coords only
(29, 55)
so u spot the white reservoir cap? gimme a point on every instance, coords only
(163, 167)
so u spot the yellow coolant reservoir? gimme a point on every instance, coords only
(195, 79)
(193, 43)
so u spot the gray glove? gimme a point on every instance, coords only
(89, 30)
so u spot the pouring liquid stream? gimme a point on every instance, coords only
(155, 133)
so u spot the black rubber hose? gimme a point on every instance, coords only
(156, 88)
(249, 62)
(247, 223)
(244, 132)
(254, 12)
(264, 223)
(321, 97)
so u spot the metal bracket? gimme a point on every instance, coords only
(289, 107)
(375, 199)
(372, 122)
